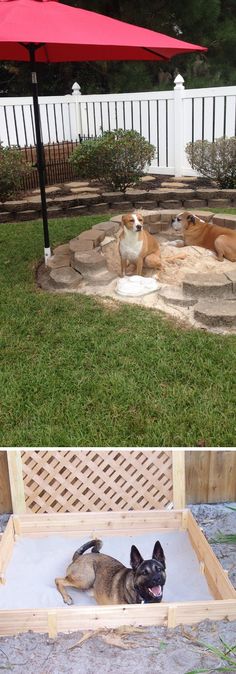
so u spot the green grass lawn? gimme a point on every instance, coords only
(75, 372)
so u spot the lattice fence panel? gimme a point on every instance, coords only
(72, 481)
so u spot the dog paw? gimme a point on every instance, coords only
(68, 601)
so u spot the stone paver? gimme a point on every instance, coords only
(94, 235)
(58, 261)
(224, 220)
(77, 183)
(216, 314)
(174, 185)
(231, 275)
(5, 217)
(84, 190)
(187, 179)
(28, 215)
(88, 263)
(13, 206)
(207, 285)
(80, 245)
(146, 179)
(62, 249)
(109, 227)
(65, 278)
(174, 295)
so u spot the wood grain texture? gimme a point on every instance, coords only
(210, 476)
(5, 492)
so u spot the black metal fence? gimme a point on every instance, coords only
(57, 167)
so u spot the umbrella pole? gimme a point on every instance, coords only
(40, 152)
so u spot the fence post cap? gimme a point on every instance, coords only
(179, 82)
(76, 91)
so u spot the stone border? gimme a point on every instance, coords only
(81, 266)
(80, 198)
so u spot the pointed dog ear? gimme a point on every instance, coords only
(158, 554)
(135, 558)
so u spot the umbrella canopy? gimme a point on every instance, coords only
(47, 31)
(70, 34)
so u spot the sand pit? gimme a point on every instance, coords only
(90, 264)
(37, 561)
(187, 260)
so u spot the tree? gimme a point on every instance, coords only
(211, 23)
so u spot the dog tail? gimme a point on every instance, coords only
(95, 544)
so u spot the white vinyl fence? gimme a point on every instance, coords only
(168, 119)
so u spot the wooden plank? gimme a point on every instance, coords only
(6, 548)
(194, 612)
(52, 623)
(171, 616)
(222, 476)
(95, 524)
(16, 481)
(86, 617)
(5, 492)
(197, 476)
(217, 579)
(178, 475)
(210, 476)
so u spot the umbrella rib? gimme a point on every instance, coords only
(151, 51)
(32, 45)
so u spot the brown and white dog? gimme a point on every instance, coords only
(197, 232)
(137, 246)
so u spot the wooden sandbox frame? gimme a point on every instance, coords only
(71, 618)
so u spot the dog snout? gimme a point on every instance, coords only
(176, 223)
(138, 228)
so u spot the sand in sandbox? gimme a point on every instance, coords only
(37, 561)
(194, 260)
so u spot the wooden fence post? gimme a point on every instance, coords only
(178, 473)
(16, 481)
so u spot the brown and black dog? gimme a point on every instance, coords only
(197, 232)
(137, 246)
(110, 581)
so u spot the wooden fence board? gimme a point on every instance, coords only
(5, 492)
(210, 476)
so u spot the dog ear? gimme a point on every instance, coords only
(135, 558)
(158, 554)
(191, 218)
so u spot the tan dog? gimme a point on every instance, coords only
(137, 246)
(110, 581)
(196, 232)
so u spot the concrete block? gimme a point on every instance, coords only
(88, 264)
(207, 285)
(216, 314)
(194, 203)
(64, 278)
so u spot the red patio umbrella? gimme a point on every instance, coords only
(48, 31)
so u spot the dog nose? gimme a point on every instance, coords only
(139, 227)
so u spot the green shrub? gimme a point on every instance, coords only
(116, 159)
(215, 160)
(12, 168)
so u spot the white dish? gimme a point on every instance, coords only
(136, 285)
